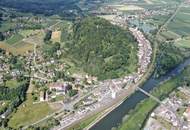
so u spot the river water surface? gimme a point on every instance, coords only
(115, 117)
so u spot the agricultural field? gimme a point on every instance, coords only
(28, 32)
(8, 48)
(60, 25)
(18, 48)
(181, 23)
(28, 113)
(56, 36)
(184, 42)
(168, 35)
(127, 7)
(161, 1)
(22, 47)
(108, 17)
(14, 39)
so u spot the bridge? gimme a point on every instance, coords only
(178, 119)
(150, 95)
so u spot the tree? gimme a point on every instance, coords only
(2, 36)
(47, 36)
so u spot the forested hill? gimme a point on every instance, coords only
(46, 7)
(103, 49)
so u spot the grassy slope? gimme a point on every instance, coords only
(28, 113)
(85, 123)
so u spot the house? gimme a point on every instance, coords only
(15, 73)
(187, 114)
(1, 79)
(43, 96)
(60, 88)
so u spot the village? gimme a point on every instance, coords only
(174, 114)
(107, 92)
(82, 95)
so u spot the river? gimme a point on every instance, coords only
(115, 117)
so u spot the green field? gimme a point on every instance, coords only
(168, 35)
(4, 105)
(14, 39)
(181, 23)
(18, 48)
(26, 33)
(12, 83)
(85, 123)
(28, 113)
(164, 1)
(185, 42)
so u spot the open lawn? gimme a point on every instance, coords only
(12, 83)
(28, 113)
(14, 39)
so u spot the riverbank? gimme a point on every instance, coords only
(145, 107)
(133, 88)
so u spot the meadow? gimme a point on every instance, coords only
(28, 113)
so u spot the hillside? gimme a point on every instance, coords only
(102, 49)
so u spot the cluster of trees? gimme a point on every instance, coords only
(51, 49)
(12, 93)
(185, 78)
(102, 49)
(48, 36)
(168, 58)
(73, 92)
(15, 95)
(2, 36)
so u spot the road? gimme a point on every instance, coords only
(170, 19)
(108, 104)
(149, 71)
(147, 74)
